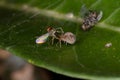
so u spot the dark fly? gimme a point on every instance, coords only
(90, 18)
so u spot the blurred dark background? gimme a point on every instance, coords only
(15, 68)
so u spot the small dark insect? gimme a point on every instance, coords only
(57, 33)
(90, 18)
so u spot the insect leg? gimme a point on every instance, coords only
(60, 28)
(57, 43)
(66, 43)
(60, 43)
(53, 40)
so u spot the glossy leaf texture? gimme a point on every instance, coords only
(22, 21)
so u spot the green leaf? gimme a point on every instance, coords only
(22, 21)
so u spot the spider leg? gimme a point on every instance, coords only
(66, 43)
(60, 42)
(53, 40)
(60, 28)
(57, 43)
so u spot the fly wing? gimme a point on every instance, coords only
(84, 11)
(69, 38)
(42, 39)
(100, 16)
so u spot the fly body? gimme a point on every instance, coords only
(90, 17)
